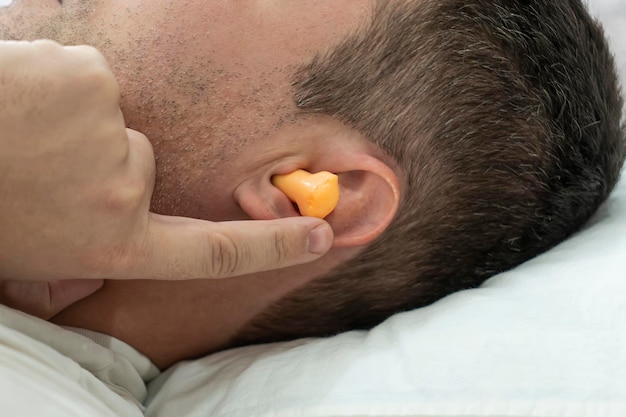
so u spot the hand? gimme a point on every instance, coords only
(76, 186)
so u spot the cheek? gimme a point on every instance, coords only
(202, 99)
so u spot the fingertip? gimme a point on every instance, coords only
(320, 239)
(319, 233)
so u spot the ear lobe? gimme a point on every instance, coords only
(368, 202)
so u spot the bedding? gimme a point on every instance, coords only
(546, 339)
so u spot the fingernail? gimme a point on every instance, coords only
(320, 239)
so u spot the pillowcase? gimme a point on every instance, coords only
(545, 339)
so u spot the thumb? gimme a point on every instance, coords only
(181, 248)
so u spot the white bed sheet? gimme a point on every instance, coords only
(547, 339)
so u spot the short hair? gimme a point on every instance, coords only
(505, 116)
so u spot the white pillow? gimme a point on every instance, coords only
(545, 339)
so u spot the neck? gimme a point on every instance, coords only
(172, 321)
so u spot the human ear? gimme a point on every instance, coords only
(368, 197)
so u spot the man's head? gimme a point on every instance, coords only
(469, 135)
(504, 116)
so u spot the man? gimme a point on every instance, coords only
(468, 137)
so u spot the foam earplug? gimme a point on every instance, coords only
(315, 195)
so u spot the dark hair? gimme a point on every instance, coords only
(506, 117)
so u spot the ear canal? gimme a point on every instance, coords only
(368, 202)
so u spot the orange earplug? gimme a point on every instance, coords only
(316, 194)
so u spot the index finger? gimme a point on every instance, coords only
(180, 248)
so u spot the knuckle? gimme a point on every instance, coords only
(46, 45)
(279, 251)
(86, 55)
(100, 80)
(227, 257)
(92, 72)
(123, 198)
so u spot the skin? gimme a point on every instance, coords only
(208, 82)
(76, 206)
